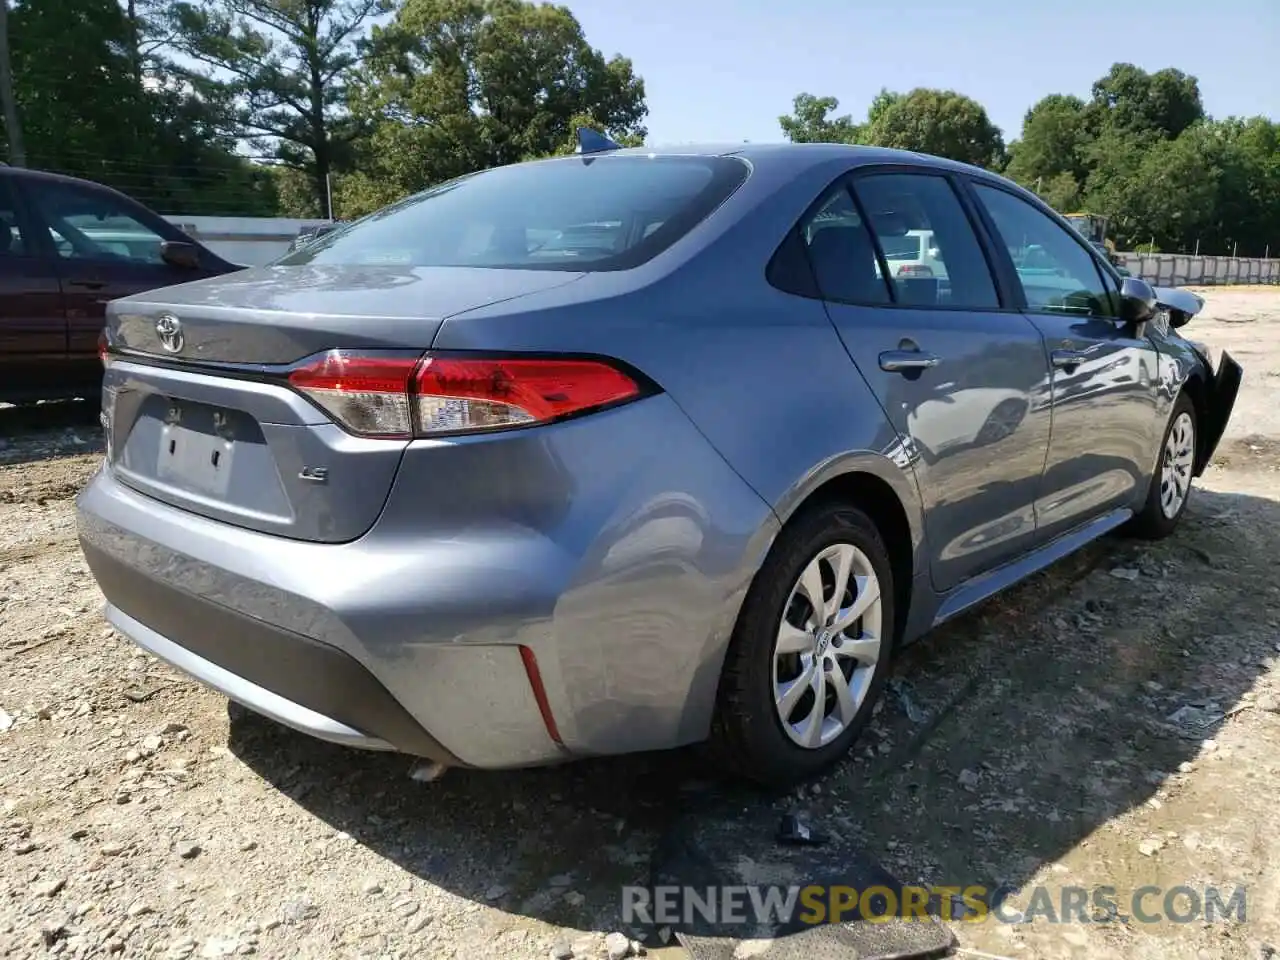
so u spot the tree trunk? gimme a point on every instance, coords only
(321, 151)
(135, 42)
(17, 152)
(319, 140)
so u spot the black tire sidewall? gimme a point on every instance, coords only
(775, 757)
(1152, 520)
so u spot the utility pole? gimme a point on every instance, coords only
(17, 152)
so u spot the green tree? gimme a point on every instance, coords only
(86, 113)
(1163, 190)
(279, 67)
(941, 122)
(1132, 101)
(1054, 135)
(810, 121)
(453, 86)
(8, 104)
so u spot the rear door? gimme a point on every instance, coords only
(1105, 382)
(961, 377)
(105, 248)
(33, 327)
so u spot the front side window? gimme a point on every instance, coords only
(576, 213)
(86, 225)
(1057, 274)
(933, 256)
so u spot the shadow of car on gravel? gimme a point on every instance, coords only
(46, 431)
(1033, 720)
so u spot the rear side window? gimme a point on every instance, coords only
(842, 252)
(576, 213)
(933, 256)
(13, 242)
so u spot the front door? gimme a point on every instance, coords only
(1105, 380)
(33, 327)
(962, 379)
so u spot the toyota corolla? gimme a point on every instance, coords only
(629, 450)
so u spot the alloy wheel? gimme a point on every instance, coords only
(828, 646)
(1176, 465)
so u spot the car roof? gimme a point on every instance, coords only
(26, 173)
(799, 156)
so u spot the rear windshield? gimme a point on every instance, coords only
(576, 213)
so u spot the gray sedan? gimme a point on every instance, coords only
(629, 450)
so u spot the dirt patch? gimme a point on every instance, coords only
(1049, 738)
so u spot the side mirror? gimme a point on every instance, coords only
(180, 253)
(1137, 300)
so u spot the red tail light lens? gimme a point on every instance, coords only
(454, 394)
(104, 352)
(403, 396)
(366, 394)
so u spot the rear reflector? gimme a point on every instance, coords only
(412, 395)
(540, 693)
(915, 270)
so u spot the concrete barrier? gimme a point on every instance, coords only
(1180, 269)
(251, 241)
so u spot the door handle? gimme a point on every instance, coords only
(88, 284)
(902, 361)
(1066, 359)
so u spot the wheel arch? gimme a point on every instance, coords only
(1197, 391)
(887, 494)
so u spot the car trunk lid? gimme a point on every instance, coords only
(199, 413)
(276, 315)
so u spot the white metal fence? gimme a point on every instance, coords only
(1179, 269)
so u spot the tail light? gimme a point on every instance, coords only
(915, 270)
(104, 349)
(368, 394)
(404, 396)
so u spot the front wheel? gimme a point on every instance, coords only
(810, 653)
(1171, 483)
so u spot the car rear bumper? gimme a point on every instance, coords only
(303, 684)
(283, 627)
(520, 600)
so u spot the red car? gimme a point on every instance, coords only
(67, 247)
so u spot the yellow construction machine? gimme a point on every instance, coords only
(1093, 227)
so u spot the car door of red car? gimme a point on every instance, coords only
(33, 327)
(107, 247)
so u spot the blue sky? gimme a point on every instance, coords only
(723, 70)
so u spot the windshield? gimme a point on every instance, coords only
(906, 247)
(590, 213)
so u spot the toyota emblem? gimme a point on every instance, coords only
(169, 330)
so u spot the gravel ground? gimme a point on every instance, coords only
(1028, 743)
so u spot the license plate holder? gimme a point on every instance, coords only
(194, 460)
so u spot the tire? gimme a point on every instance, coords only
(1175, 463)
(749, 738)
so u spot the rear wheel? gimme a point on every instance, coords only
(1171, 483)
(810, 652)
